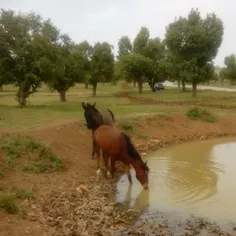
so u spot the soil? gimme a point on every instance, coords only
(76, 202)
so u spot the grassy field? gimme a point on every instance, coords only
(207, 96)
(44, 106)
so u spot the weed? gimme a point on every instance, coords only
(129, 126)
(9, 204)
(1, 173)
(38, 158)
(22, 193)
(12, 148)
(200, 114)
(32, 144)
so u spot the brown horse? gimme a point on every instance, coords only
(94, 118)
(118, 146)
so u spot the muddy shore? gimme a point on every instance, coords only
(76, 202)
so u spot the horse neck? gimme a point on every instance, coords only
(98, 118)
(130, 161)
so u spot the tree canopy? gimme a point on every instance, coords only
(102, 64)
(229, 72)
(146, 62)
(195, 42)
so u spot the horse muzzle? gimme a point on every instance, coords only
(145, 186)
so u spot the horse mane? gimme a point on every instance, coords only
(91, 106)
(112, 115)
(131, 150)
(96, 119)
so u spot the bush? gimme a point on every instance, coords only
(9, 204)
(129, 126)
(200, 114)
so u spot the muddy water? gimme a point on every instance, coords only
(197, 178)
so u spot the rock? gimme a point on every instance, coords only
(82, 189)
(31, 216)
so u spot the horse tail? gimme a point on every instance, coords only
(112, 115)
(130, 148)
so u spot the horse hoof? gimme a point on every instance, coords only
(108, 174)
(98, 171)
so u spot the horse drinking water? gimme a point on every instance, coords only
(94, 118)
(118, 146)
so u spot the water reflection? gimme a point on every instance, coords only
(141, 201)
(192, 178)
(192, 175)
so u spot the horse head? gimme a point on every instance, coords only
(92, 116)
(142, 171)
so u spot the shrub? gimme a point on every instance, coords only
(200, 114)
(9, 204)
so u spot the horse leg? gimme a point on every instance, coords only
(93, 144)
(128, 174)
(112, 166)
(106, 158)
(97, 151)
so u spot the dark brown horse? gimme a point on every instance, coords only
(95, 118)
(118, 146)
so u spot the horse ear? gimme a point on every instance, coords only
(94, 104)
(83, 105)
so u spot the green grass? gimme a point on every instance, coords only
(22, 193)
(34, 156)
(44, 106)
(207, 97)
(128, 125)
(9, 203)
(200, 114)
(10, 198)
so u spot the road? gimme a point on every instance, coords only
(202, 87)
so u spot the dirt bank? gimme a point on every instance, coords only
(75, 202)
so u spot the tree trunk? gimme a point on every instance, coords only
(134, 83)
(183, 86)
(21, 96)
(178, 83)
(94, 90)
(194, 89)
(1, 87)
(86, 85)
(151, 85)
(140, 87)
(62, 94)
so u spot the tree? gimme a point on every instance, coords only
(155, 50)
(229, 72)
(102, 64)
(5, 75)
(124, 46)
(195, 42)
(68, 66)
(22, 35)
(86, 50)
(141, 41)
(136, 66)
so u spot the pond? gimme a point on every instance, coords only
(197, 178)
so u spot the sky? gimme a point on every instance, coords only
(108, 20)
